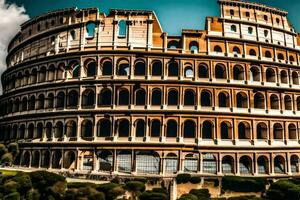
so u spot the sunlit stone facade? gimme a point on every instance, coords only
(89, 93)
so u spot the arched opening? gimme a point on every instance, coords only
(124, 161)
(30, 131)
(140, 128)
(156, 97)
(31, 103)
(294, 164)
(238, 72)
(173, 69)
(277, 131)
(105, 159)
(268, 54)
(155, 130)
(171, 163)
(104, 128)
(283, 77)
(291, 58)
(280, 56)
(74, 69)
(218, 49)
(73, 98)
(203, 71)
(287, 102)
(147, 162)
(35, 159)
(60, 100)
(279, 165)
(41, 101)
(90, 68)
(70, 160)
(298, 103)
(223, 100)
(236, 50)
(259, 101)
(33, 77)
(45, 159)
(50, 101)
(194, 46)
(244, 130)
(263, 165)
(56, 159)
(140, 68)
(295, 78)
(122, 28)
(292, 132)
(107, 68)
(123, 97)
(24, 104)
(241, 100)
(245, 165)
(90, 30)
(205, 99)
(173, 97)
(254, 74)
(233, 28)
(207, 130)
(39, 130)
(261, 131)
(123, 68)
(60, 71)
(226, 131)
(59, 129)
(209, 163)
(157, 68)
(172, 128)
(227, 165)
(252, 52)
(22, 131)
(140, 97)
(124, 128)
(71, 129)
(16, 105)
(105, 97)
(25, 161)
(189, 98)
(270, 75)
(190, 163)
(87, 129)
(189, 129)
(88, 98)
(49, 130)
(188, 72)
(274, 101)
(42, 75)
(173, 44)
(220, 72)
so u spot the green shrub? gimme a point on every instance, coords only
(106, 187)
(160, 190)
(13, 148)
(135, 186)
(10, 187)
(23, 182)
(114, 193)
(71, 194)
(3, 150)
(7, 158)
(284, 189)
(240, 184)
(188, 197)
(12, 196)
(201, 194)
(43, 179)
(80, 185)
(97, 196)
(195, 179)
(183, 178)
(149, 195)
(245, 198)
(33, 194)
(116, 180)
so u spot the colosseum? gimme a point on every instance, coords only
(115, 95)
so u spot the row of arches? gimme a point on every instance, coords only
(123, 127)
(150, 162)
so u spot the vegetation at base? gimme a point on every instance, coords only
(284, 189)
(196, 194)
(8, 153)
(243, 184)
(185, 178)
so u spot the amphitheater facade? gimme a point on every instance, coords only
(94, 94)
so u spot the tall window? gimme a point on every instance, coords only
(90, 29)
(122, 28)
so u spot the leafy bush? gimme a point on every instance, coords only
(10, 187)
(23, 182)
(80, 185)
(13, 148)
(195, 179)
(12, 196)
(114, 193)
(3, 150)
(245, 198)
(106, 187)
(7, 158)
(284, 189)
(183, 178)
(188, 197)
(160, 190)
(239, 184)
(116, 180)
(33, 194)
(149, 195)
(201, 194)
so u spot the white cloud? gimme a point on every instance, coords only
(11, 17)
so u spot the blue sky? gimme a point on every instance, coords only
(174, 15)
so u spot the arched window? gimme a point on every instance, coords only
(280, 56)
(156, 97)
(207, 130)
(140, 128)
(245, 165)
(292, 132)
(294, 164)
(122, 28)
(50, 101)
(140, 97)
(173, 97)
(233, 28)
(189, 129)
(236, 50)
(205, 99)
(140, 68)
(157, 68)
(287, 102)
(209, 163)
(254, 74)
(90, 29)
(266, 33)
(60, 100)
(24, 104)
(107, 68)
(250, 30)
(263, 165)
(51, 73)
(238, 72)
(41, 101)
(124, 128)
(252, 52)
(283, 76)
(105, 158)
(295, 78)
(220, 72)
(88, 98)
(42, 74)
(261, 131)
(87, 129)
(270, 75)
(203, 71)
(22, 131)
(279, 165)
(223, 100)
(59, 129)
(173, 69)
(33, 77)
(123, 68)
(73, 98)
(218, 49)
(268, 54)
(274, 101)
(71, 129)
(194, 46)
(155, 130)
(259, 101)
(244, 131)
(147, 162)
(49, 129)
(188, 72)
(241, 100)
(104, 128)
(277, 131)
(90, 67)
(75, 69)
(227, 165)
(173, 44)
(124, 97)
(190, 163)
(105, 97)
(172, 128)
(225, 130)
(189, 98)
(124, 161)
(171, 163)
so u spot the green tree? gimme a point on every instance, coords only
(135, 187)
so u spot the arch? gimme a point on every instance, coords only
(220, 72)
(104, 128)
(87, 129)
(292, 131)
(16, 106)
(33, 76)
(107, 68)
(194, 46)
(122, 28)
(22, 131)
(277, 131)
(254, 74)
(295, 78)
(292, 58)
(283, 77)
(123, 67)
(252, 52)
(274, 101)
(268, 54)
(173, 44)
(49, 130)
(60, 100)
(30, 131)
(59, 129)
(172, 128)
(73, 98)
(245, 165)
(124, 97)
(25, 160)
(90, 68)
(88, 98)
(294, 164)
(56, 159)
(70, 160)
(45, 159)
(140, 68)
(51, 73)
(31, 103)
(124, 128)
(155, 130)
(173, 97)
(171, 163)
(188, 72)
(50, 101)
(223, 99)
(105, 159)
(259, 101)
(42, 74)
(205, 98)
(156, 97)
(270, 75)
(24, 104)
(203, 71)
(244, 130)
(279, 165)
(35, 159)
(209, 163)
(19, 79)
(147, 162)
(233, 28)
(280, 56)
(218, 49)
(236, 50)
(90, 30)
(207, 130)
(140, 97)
(60, 71)
(14, 132)
(241, 100)
(105, 97)
(173, 69)
(227, 165)
(124, 161)
(71, 129)
(287, 102)
(263, 165)
(157, 68)
(261, 131)
(74, 69)
(189, 97)
(190, 163)
(189, 129)
(41, 101)
(39, 130)
(140, 128)
(226, 130)
(238, 72)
